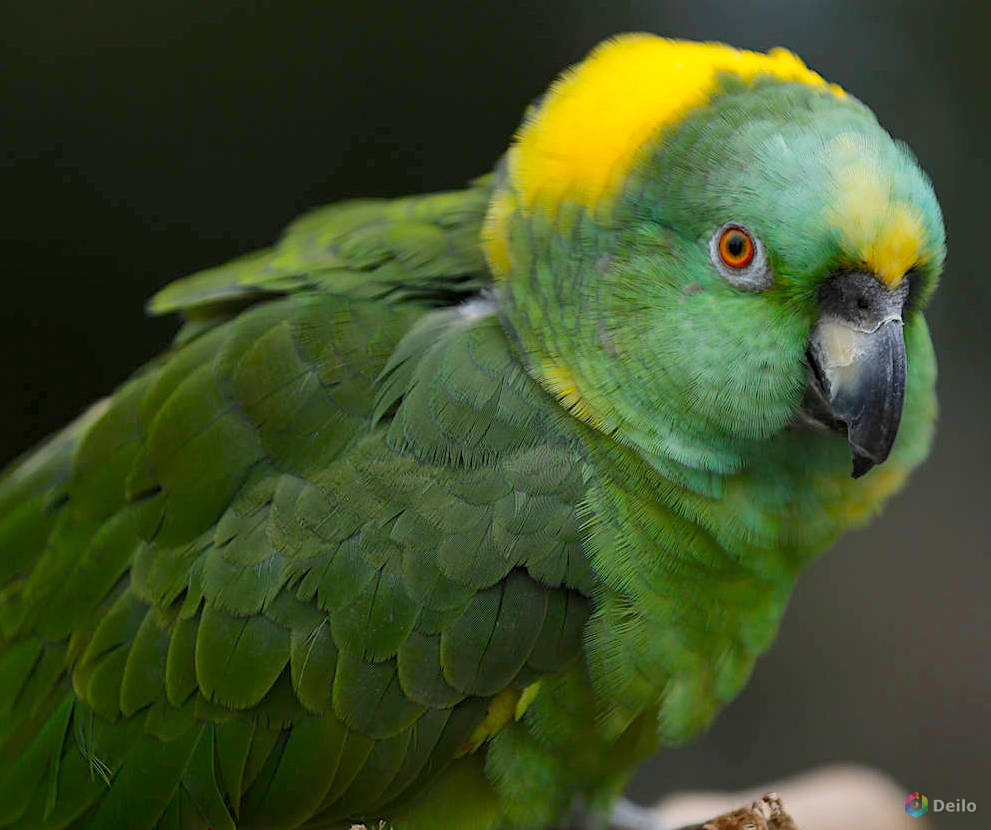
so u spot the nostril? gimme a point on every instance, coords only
(863, 303)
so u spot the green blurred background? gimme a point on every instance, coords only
(144, 141)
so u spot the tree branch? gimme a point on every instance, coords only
(766, 814)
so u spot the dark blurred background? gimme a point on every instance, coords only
(144, 141)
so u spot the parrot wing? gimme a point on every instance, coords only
(422, 248)
(290, 569)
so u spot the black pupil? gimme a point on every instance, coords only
(735, 244)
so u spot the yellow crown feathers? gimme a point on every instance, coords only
(587, 133)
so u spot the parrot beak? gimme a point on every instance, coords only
(856, 357)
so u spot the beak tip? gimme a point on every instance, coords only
(862, 465)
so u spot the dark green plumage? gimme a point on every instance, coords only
(277, 575)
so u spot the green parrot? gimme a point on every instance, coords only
(446, 511)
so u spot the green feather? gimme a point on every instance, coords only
(238, 658)
(263, 741)
(313, 660)
(232, 742)
(16, 666)
(200, 783)
(144, 673)
(369, 699)
(424, 736)
(560, 638)
(148, 780)
(168, 722)
(375, 623)
(180, 662)
(352, 760)
(380, 768)
(420, 674)
(306, 769)
(490, 642)
(19, 781)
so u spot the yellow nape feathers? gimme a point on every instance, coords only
(586, 135)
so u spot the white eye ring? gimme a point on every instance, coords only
(755, 276)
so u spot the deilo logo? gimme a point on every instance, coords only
(916, 805)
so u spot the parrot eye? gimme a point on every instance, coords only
(739, 257)
(736, 248)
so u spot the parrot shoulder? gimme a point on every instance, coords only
(422, 248)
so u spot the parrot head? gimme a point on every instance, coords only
(697, 248)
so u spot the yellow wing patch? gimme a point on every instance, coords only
(509, 704)
(587, 134)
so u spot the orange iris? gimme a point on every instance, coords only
(736, 248)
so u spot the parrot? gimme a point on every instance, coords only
(447, 511)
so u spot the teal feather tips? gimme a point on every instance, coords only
(452, 508)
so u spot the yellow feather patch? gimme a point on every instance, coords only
(509, 704)
(598, 116)
(495, 233)
(529, 693)
(897, 246)
(885, 235)
(851, 502)
(561, 383)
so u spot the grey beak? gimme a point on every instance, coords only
(857, 356)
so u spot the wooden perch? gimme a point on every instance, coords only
(766, 814)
